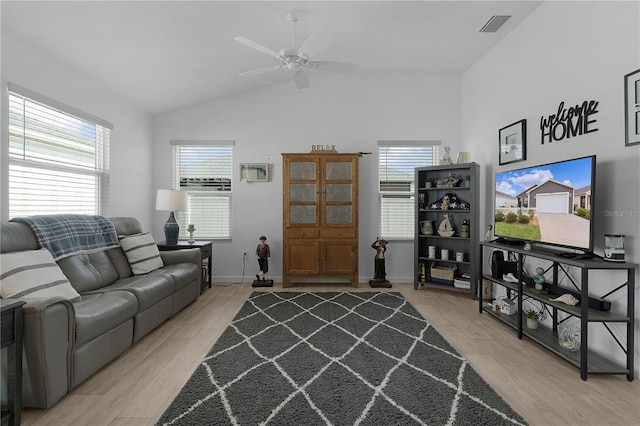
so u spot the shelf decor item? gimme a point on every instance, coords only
(569, 337)
(190, 230)
(426, 227)
(533, 318)
(446, 228)
(446, 157)
(632, 108)
(463, 157)
(442, 274)
(450, 201)
(513, 142)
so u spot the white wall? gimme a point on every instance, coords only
(352, 112)
(572, 52)
(131, 193)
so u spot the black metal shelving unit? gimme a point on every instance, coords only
(588, 361)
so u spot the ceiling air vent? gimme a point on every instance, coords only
(495, 23)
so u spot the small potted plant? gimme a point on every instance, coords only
(533, 318)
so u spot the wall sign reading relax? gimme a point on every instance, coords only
(569, 122)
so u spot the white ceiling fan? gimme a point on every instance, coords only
(295, 60)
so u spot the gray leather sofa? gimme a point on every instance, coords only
(65, 342)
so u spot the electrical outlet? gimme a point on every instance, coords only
(244, 253)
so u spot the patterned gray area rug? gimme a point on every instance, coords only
(336, 359)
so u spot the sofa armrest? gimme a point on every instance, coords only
(49, 326)
(173, 257)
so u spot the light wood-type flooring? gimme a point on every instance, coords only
(136, 388)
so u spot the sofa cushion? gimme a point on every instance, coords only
(89, 271)
(148, 289)
(126, 225)
(98, 313)
(142, 252)
(120, 262)
(33, 273)
(181, 273)
(16, 236)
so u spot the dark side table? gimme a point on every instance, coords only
(206, 248)
(11, 336)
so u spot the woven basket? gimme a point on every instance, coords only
(442, 273)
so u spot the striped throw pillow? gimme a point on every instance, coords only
(33, 273)
(142, 253)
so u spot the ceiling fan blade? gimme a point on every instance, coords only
(315, 43)
(300, 78)
(257, 46)
(260, 71)
(333, 66)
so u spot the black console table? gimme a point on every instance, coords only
(586, 360)
(206, 248)
(11, 336)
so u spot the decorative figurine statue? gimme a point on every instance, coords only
(379, 279)
(487, 235)
(446, 229)
(263, 253)
(446, 157)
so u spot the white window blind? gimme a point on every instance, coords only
(203, 169)
(397, 161)
(58, 157)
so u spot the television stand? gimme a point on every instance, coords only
(507, 241)
(579, 256)
(593, 309)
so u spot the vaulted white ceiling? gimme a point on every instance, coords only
(164, 55)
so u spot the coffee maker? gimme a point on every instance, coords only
(614, 248)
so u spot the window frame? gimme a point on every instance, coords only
(35, 167)
(409, 194)
(194, 194)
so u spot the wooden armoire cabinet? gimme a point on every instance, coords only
(320, 213)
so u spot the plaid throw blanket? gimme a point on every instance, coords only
(67, 234)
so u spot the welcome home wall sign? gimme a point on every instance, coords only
(569, 122)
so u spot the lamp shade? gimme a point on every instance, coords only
(168, 199)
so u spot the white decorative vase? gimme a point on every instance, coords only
(532, 323)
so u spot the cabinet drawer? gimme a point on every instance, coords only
(301, 233)
(338, 233)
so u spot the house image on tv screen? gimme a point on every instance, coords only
(505, 200)
(583, 198)
(548, 197)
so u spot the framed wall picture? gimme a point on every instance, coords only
(513, 142)
(254, 172)
(632, 108)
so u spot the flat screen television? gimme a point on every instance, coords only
(549, 204)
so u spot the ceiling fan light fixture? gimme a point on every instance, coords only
(295, 60)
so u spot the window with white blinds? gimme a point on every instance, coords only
(397, 161)
(58, 158)
(203, 169)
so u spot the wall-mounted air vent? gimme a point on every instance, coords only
(495, 23)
